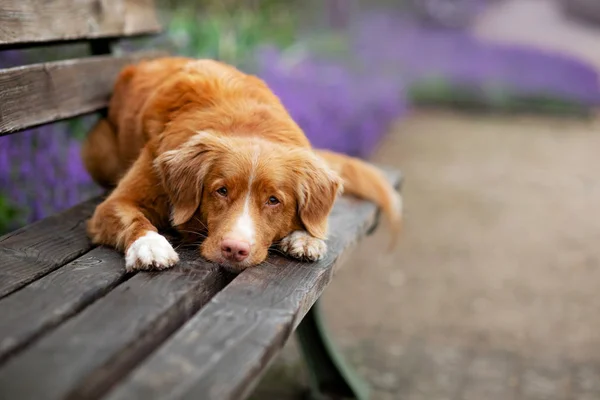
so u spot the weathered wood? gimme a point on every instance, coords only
(221, 352)
(33, 251)
(34, 21)
(36, 94)
(45, 303)
(85, 355)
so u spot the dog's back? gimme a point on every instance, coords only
(151, 94)
(109, 151)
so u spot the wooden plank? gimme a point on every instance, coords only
(45, 303)
(221, 352)
(85, 355)
(37, 249)
(41, 93)
(32, 21)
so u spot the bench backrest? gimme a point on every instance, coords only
(41, 93)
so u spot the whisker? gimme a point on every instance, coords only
(277, 251)
(190, 244)
(197, 233)
(200, 222)
(194, 232)
(178, 246)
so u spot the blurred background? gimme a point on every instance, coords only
(489, 109)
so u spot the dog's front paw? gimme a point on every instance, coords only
(302, 245)
(151, 251)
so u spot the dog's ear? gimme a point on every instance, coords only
(182, 172)
(318, 189)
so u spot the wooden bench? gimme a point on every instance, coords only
(74, 325)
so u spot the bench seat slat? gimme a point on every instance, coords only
(86, 354)
(221, 352)
(34, 21)
(39, 248)
(42, 93)
(46, 302)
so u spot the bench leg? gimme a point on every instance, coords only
(330, 376)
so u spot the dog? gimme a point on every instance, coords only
(201, 147)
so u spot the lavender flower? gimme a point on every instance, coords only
(339, 106)
(420, 53)
(41, 173)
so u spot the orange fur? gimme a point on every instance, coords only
(99, 154)
(202, 147)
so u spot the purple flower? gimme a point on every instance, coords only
(11, 58)
(420, 53)
(41, 171)
(339, 106)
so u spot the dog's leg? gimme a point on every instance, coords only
(303, 246)
(120, 224)
(123, 221)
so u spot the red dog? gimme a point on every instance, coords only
(211, 151)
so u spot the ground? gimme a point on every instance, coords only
(491, 292)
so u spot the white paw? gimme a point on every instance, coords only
(302, 245)
(151, 251)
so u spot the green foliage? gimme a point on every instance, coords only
(231, 36)
(439, 92)
(9, 215)
(78, 128)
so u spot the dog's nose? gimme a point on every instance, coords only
(235, 250)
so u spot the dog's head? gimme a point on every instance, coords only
(245, 194)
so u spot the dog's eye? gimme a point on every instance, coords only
(222, 191)
(273, 201)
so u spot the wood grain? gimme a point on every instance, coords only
(85, 355)
(41, 93)
(32, 21)
(35, 250)
(221, 352)
(45, 303)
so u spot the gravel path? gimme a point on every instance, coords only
(492, 293)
